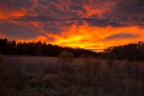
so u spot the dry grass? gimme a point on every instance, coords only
(46, 76)
(2, 60)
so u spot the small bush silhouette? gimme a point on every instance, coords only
(66, 56)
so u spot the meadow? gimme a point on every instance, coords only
(47, 76)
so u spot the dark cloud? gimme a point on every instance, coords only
(122, 36)
(35, 18)
(102, 22)
(52, 29)
(12, 5)
(77, 6)
(129, 12)
(22, 31)
(124, 13)
(50, 8)
(130, 7)
(98, 22)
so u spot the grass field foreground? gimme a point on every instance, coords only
(47, 76)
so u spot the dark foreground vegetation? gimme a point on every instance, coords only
(46, 76)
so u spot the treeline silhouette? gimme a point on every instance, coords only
(8, 47)
(132, 52)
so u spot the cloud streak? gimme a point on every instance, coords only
(124, 35)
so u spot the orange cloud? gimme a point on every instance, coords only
(38, 38)
(10, 13)
(88, 37)
(99, 8)
(95, 37)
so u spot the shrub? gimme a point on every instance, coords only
(66, 56)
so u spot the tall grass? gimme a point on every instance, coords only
(46, 76)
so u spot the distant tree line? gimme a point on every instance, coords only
(132, 52)
(8, 47)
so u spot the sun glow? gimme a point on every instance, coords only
(95, 37)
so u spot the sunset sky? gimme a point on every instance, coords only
(89, 24)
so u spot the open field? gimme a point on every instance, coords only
(47, 76)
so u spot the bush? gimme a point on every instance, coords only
(66, 56)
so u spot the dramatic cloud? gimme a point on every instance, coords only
(91, 24)
(18, 30)
(129, 12)
(12, 8)
(122, 36)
